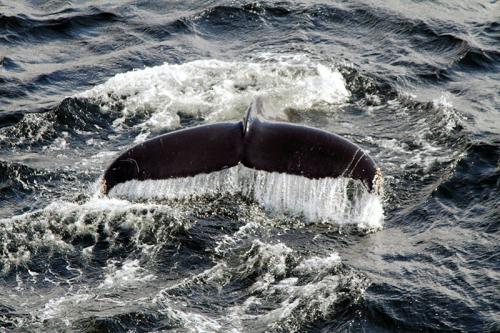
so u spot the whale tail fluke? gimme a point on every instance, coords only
(254, 142)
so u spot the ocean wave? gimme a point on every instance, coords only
(23, 28)
(275, 279)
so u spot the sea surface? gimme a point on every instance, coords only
(414, 83)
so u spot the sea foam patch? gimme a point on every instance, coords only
(217, 90)
(339, 200)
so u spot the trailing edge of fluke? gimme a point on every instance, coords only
(254, 142)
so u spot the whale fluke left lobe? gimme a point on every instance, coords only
(182, 153)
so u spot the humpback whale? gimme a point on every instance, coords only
(254, 142)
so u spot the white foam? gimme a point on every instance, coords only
(313, 264)
(450, 118)
(59, 307)
(294, 298)
(289, 287)
(340, 200)
(44, 228)
(218, 90)
(129, 272)
(190, 321)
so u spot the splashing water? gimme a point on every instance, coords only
(340, 200)
(216, 89)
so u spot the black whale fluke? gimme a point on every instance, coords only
(254, 142)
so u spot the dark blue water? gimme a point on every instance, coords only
(414, 83)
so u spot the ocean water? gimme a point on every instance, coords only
(414, 83)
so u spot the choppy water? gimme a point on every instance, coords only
(415, 83)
